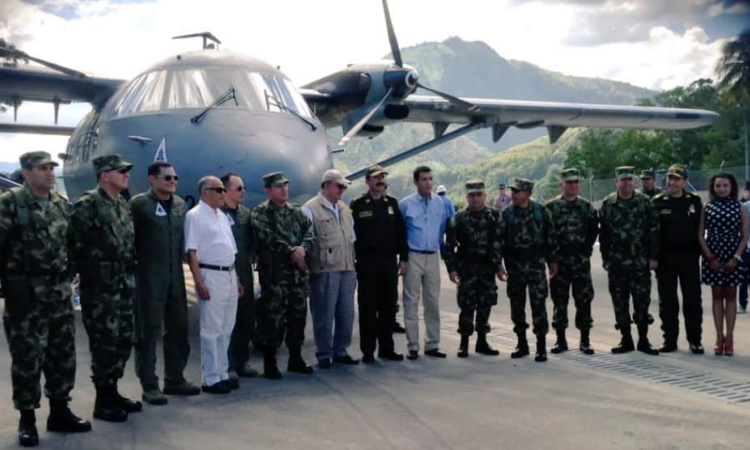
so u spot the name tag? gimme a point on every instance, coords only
(364, 214)
(390, 210)
(665, 211)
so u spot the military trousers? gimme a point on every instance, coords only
(477, 294)
(40, 330)
(578, 280)
(282, 314)
(109, 321)
(536, 283)
(377, 296)
(154, 316)
(245, 328)
(684, 267)
(623, 285)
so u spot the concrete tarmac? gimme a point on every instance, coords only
(603, 401)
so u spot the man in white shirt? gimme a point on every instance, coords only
(211, 250)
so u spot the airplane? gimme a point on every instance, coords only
(211, 111)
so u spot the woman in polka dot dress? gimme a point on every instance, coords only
(723, 237)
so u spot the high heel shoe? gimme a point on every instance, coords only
(729, 347)
(719, 349)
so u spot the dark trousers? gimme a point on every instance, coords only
(377, 294)
(153, 316)
(626, 284)
(745, 272)
(685, 268)
(245, 330)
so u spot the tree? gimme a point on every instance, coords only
(734, 69)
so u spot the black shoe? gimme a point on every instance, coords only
(541, 350)
(644, 346)
(232, 384)
(397, 328)
(561, 345)
(413, 354)
(435, 353)
(246, 371)
(130, 406)
(325, 363)
(697, 349)
(522, 349)
(625, 346)
(296, 363)
(28, 436)
(585, 346)
(62, 420)
(391, 356)
(217, 388)
(270, 368)
(346, 359)
(107, 407)
(668, 347)
(463, 348)
(185, 388)
(368, 358)
(483, 347)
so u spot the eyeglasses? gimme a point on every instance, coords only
(341, 187)
(237, 188)
(218, 190)
(169, 177)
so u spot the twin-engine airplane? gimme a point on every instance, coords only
(212, 111)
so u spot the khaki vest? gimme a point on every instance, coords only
(332, 249)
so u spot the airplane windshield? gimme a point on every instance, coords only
(198, 88)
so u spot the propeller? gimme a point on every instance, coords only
(57, 67)
(355, 129)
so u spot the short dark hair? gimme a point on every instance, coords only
(420, 170)
(733, 194)
(155, 168)
(228, 176)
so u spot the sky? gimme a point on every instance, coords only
(656, 44)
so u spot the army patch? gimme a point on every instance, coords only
(364, 214)
(160, 212)
(692, 209)
(390, 210)
(665, 211)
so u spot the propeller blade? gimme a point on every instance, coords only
(463, 104)
(395, 50)
(355, 129)
(51, 65)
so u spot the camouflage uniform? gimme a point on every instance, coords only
(105, 256)
(282, 308)
(528, 242)
(629, 238)
(35, 237)
(577, 226)
(472, 248)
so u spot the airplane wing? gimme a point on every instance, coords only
(53, 130)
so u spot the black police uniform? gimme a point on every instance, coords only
(679, 258)
(381, 236)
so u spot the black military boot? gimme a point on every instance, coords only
(270, 368)
(62, 420)
(296, 363)
(541, 348)
(27, 434)
(670, 345)
(483, 347)
(562, 344)
(522, 349)
(129, 406)
(585, 346)
(626, 343)
(463, 350)
(644, 346)
(106, 407)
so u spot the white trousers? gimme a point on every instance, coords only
(218, 316)
(422, 277)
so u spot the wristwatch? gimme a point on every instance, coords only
(737, 258)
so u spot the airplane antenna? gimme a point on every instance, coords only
(206, 35)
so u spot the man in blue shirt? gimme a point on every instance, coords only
(425, 217)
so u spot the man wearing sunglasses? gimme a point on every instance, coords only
(158, 217)
(332, 275)
(211, 251)
(577, 225)
(245, 327)
(105, 257)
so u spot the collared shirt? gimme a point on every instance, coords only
(425, 221)
(330, 206)
(502, 202)
(207, 231)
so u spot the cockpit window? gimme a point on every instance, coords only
(145, 93)
(279, 90)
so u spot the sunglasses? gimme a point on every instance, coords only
(572, 182)
(237, 188)
(123, 170)
(169, 177)
(218, 190)
(341, 187)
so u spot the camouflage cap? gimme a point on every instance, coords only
(522, 184)
(647, 174)
(624, 172)
(33, 159)
(474, 186)
(570, 175)
(107, 163)
(274, 179)
(375, 171)
(677, 170)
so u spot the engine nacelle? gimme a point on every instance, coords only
(385, 115)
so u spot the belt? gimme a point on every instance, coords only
(219, 268)
(423, 252)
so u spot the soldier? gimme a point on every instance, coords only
(105, 256)
(35, 237)
(472, 257)
(577, 226)
(284, 236)
(529, 241)
(679, 257)
(245, 326)
(629, 242)
(158, 217)
(502, 200)
(648, 179)
(382, 253)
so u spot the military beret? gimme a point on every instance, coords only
(474, 186)
(522, 184)
(274, 179)
(623, 172)
(33, 159)
(647, 174)
(570, 175)
(107, 163)
(375, 171)
(677, 170)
